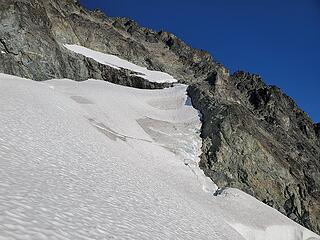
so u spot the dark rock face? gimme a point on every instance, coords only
(32, 35)
(255, 138)
(317, 129)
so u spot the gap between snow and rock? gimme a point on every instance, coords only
(189, 149)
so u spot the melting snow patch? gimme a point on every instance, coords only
(118, 63)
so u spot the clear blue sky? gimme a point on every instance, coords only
(278, 39)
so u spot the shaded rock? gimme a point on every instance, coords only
(317, 129)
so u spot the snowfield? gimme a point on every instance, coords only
(118, 63)
(94, 160)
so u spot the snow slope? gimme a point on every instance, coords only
(93, 160)
(118, 63)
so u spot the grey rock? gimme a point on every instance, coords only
(258, 140)
(255, 138)
(317, 129)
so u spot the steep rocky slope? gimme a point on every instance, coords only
(32, 34)
(254, 137)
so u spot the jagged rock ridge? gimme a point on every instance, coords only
(254, 137)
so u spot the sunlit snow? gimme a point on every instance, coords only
(118, 63)
(93, 160)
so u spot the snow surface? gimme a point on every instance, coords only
(118, 63)
(94, 160)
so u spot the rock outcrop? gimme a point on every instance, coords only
(255, 138)
(32, 35)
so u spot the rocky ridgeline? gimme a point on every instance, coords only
(255, 138)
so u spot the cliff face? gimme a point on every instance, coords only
(254, 137)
